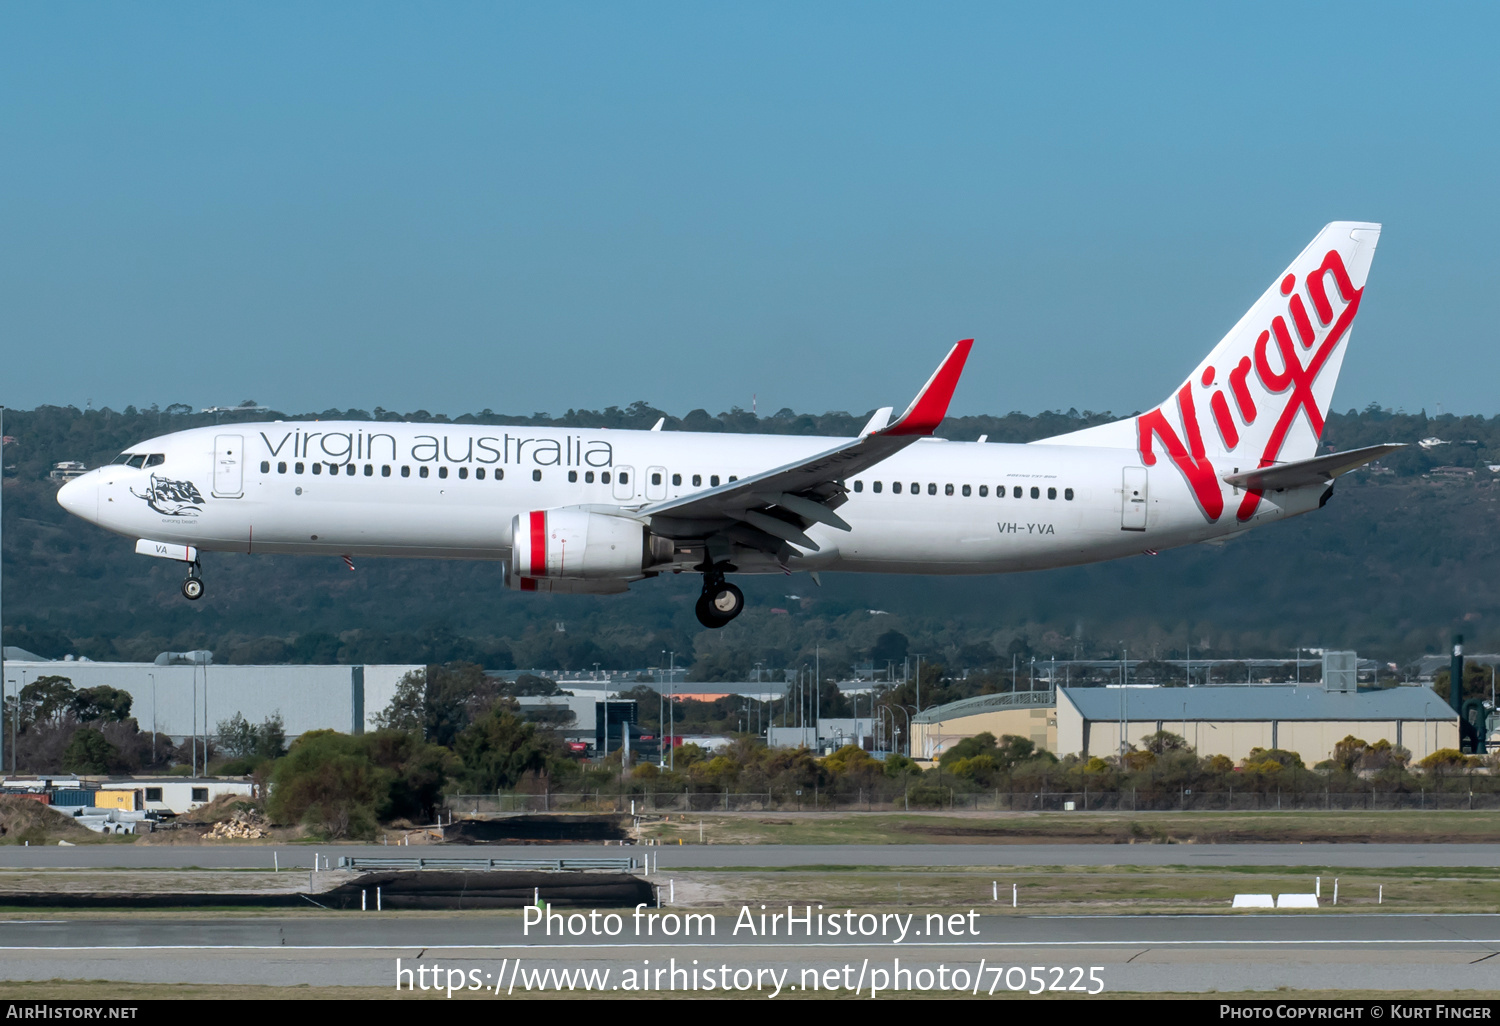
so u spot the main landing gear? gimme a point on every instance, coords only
(192, 587)
(720, 601)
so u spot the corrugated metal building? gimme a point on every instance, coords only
(1028, 714)
(1224, 720)
(342, 698)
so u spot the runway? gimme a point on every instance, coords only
(780, 856)
(1124, 953)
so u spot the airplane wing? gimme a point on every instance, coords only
(772, 508)
(1318, 470)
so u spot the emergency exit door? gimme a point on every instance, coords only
(229, 466)
(1133, 500)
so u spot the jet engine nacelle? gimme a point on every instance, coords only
(581, 544)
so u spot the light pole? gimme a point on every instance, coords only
(896, 726)
(919, 684)
(153, 717)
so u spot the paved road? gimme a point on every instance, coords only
(1342, 856)
(1153, 954)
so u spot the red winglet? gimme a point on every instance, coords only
(930, 406)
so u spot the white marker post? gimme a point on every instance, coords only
(1015, 895)
(1335, 890)
(995, 889)
(1317, 886)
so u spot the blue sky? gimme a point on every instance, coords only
(541, 206)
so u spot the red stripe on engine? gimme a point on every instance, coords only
(539, 543)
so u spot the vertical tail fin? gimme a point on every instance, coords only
(1260, 397)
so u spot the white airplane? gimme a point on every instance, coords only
(590, 511)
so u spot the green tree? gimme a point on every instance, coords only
(89, 751)
(1164, 742)
(499, 749)
(46, 699)
(102, 703)
(329, 782)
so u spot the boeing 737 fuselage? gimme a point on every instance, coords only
(578, 510)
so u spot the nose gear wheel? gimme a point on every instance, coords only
(192, 587)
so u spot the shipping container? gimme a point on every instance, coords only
(36, 796)
(119, 799)
(73, 797)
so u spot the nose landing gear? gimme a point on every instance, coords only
(720, 601)
(192, 587)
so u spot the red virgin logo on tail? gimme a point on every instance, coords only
(1294, 379)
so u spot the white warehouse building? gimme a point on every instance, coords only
(342, 698)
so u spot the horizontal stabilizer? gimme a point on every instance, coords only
(1317, 470)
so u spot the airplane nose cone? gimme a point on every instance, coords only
(80, 497)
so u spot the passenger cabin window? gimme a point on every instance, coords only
(369, 470)
(697, 480)
(966, 491)
(655, 478)
(442, 471)
(406, 471)
(1068, 494)
(1016, 492)
(896, 487)
(463, 473)
(536, 475)
(947, 489)
(1036, 493)
(588, 477)
(317, 467)
(299, 467)
(604, 477)
(281, 468)
(984, 490)
(499, 474)
(349, 469)
(676, 480)
(1051, 493)
(859, 486)
(385, 470)
(875, 487)
(713, 482)
(916, 489)
(265, 466)
(422, 471)
(479, 474)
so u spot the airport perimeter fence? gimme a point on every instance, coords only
(930, 798)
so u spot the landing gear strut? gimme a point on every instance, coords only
(192, 587)
(720, 601)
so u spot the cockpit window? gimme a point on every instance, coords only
(124, 457)
(156, 459)
(137, 461)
